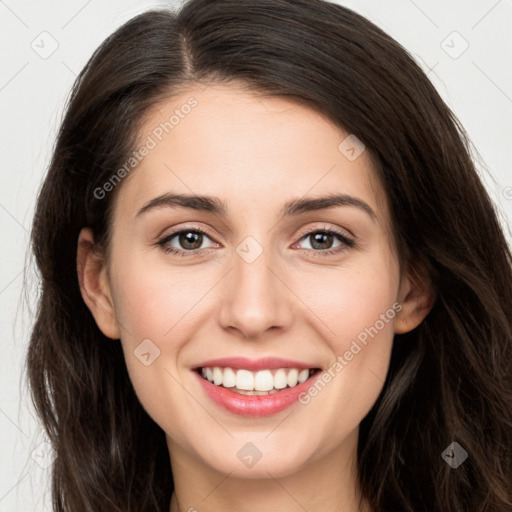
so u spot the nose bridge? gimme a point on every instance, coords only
(255, 300)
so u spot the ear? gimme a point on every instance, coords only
(94, 284)
(416, 296)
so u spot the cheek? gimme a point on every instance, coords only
(152, 299)
(149, 303)
(348, 299)
(355, 309)
(165, 305)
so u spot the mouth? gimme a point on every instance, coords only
(262, 387)
(262, 382)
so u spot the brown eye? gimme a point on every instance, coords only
(190, 239)
(184, 241)
(321, 241)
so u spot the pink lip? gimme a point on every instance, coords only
(254, 405)
(265, 363)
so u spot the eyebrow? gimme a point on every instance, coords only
(290, 208)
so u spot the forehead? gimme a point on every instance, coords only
(250, 150)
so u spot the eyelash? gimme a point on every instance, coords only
(347, 242)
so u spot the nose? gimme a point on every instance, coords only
(255, 297)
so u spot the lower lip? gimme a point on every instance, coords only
(255, 405)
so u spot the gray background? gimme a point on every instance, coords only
(476, 82)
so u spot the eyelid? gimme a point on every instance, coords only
(327, 227)
(163, 241)
(179, 229)
(302, 233)
(348, 241)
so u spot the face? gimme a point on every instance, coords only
(270, 280)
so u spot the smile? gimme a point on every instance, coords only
(261, 387)
(261, 383)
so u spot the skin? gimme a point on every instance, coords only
(254, 154)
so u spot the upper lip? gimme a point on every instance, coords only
(265, 363)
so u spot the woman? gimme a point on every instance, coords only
(271, 276)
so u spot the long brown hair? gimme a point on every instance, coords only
(450, 378)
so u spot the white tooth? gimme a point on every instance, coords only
(203, 372)
(229, 378)
(293, 377)
(217, 376)
(303, 375)
(209, 374)
(245, 380)
(280, 381)
(263, 381)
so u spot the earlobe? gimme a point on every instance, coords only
(94, 284)
(416, 297)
